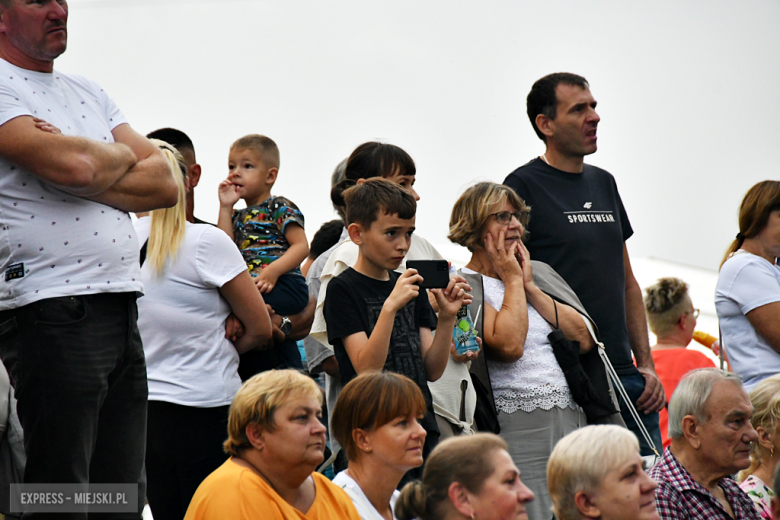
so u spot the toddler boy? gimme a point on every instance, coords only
(378, 319)
(269, 231)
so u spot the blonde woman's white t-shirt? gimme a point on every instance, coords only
(182, 320)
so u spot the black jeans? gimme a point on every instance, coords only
(183, 447)
(80, 380)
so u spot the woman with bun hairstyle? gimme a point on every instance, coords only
(466, 477)
(672, 319)
(376, 422)
(747, 296)
(375, 159)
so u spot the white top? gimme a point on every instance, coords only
(52, 243)
(182, 320)
(344, 256)
(746, 282)
(536, 379)
(364, 507)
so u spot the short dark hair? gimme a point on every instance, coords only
(326, 237)
(364, 201)
(263, 145)
(542, 98)
(374, 159)
(370, 401)
(176, 138)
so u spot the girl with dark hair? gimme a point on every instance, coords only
(747, 296)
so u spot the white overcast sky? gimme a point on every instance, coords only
(688, 95)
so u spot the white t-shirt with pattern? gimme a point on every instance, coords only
(52, 243)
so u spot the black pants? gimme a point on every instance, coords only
(80, 380)
(183, 447)
(289, 296)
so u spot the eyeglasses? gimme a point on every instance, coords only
(695, 313)
(505, 217)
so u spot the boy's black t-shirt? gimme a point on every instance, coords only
(353, 303)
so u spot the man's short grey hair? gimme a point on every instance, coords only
(690, 396)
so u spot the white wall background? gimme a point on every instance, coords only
(687, 91)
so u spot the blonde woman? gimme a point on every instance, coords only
(759, 479)
(598, 473)
(193, 278)
(275, 440)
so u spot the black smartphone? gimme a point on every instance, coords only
(435, 273)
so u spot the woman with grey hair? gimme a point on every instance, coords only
(597, 472)
(535, 406)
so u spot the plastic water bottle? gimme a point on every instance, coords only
(464, 334)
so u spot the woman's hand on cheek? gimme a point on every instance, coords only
(524, 258)
(504, 263)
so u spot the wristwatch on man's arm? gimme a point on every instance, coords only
(286, 325)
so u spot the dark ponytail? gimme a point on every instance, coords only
(412, 502)
(337, 192)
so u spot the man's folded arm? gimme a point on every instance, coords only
(80, 166)
(148, 184)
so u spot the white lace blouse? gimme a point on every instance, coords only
(535, 380)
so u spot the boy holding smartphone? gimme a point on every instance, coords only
(378, 319)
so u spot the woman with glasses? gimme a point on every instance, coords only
(672, 319)
(534, 404)
(747, 296)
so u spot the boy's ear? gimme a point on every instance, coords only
(272, 174)
(355, 231)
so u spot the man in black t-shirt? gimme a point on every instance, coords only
(378, 319)
(579, 227)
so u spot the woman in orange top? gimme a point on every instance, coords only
(672, 319)
(276, 440)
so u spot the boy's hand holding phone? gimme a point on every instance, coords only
(451, 298)
(406, 287)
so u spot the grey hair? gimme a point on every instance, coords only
(690, 396)
(581, 460)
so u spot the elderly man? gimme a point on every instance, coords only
(71, 169)
(709, 424)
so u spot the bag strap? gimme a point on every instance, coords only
(612, 375)
(143, 252)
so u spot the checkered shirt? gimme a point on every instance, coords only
(680, 497)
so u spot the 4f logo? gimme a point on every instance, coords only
(588, 205)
